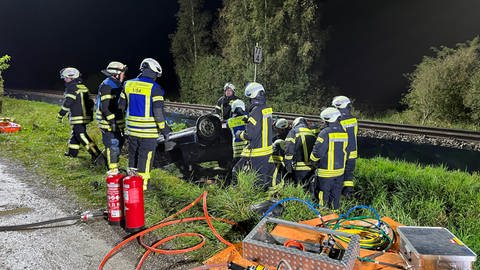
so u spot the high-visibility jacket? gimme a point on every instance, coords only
(298, 146)
(224, 106)
(143, 99)
(350, 124)
(236, 124)
(107, 104)
(330, 151)
(258, 131)
(77, 102)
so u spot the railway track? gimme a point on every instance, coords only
(457, 134)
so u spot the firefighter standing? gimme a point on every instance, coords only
(350, 124)
(329, 154)
(258, 132)
(236, 123)
(299, 145)
(142, 99)
(79, 106)
(224, 104)
(110, 119)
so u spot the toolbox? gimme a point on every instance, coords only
(431, 248)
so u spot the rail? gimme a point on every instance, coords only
(364, 124)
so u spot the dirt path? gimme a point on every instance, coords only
(25, 199)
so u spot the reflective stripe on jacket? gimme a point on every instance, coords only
(236, 124)
(298, 146)
(350, 124)
(330, 151)
(77, 102)
(143, 97)
(258, 131)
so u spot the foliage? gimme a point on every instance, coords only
(394, 188)
(441, 86)
(191, 40)
(3, 66)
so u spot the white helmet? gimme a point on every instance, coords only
(69, 72)
(115, 68)
(298, 120)
(330, 114)
(281, 123)
(253, 89)
(151, 64)
(229, 85)
(238, 103)
(340, 102)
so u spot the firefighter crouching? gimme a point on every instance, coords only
(329, 154)
(258, 132)
(142, 99)
(299, 145)
(79, 106)
(236, 123)
(350, 124)
(109, 117)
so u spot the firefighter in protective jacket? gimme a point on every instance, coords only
(142, 98)
(299, 145)
(350, 124)
(329, 154)
(224, 104)
(236, 123)
(109, 117)
(79, 106)
(258, 132)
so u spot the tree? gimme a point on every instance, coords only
(3, 66)
(191, 40)
(292, 42)
(440, 84)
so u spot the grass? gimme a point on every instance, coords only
(409, 193)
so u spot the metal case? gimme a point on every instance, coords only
(434, 248)
(256, 248)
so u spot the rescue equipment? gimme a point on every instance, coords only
(115, 199)
(8, 126)
(133, 203)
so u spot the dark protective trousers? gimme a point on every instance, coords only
(113, 142)
(141, 152)
(260, 165)
(348, 177)
(79, 137)
(329, 191)
(301, 177)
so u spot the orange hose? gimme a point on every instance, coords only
(167, 222)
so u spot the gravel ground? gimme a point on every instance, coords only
(26, 199)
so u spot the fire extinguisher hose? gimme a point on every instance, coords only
(171, 221)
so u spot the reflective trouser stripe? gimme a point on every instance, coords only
(348, 183)
(74, 146)
(330, 173)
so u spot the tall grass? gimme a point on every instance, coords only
(409, 193)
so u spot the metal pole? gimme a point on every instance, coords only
(255, 73)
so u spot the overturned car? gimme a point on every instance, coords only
(208, 141)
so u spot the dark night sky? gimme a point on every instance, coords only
(372, 44)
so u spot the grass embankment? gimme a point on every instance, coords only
(409, 193)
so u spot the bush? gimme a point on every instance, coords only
(3, 66)
(439, 84)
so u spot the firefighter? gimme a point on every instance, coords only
(80, 108)
(329, 154)
(350, 124)
(236, 123)
(110, 119)
(277, 158)
(258, 132)
(142, 99)
(280, 129)
(299, 145)
(224, 104)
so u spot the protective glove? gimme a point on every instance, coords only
(113, 125)
(59, 118)
(348, 192)
(166, 133)
(289, 166)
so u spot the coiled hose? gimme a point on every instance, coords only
(167, 222)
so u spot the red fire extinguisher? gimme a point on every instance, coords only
(114, 199)
(133, 203)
